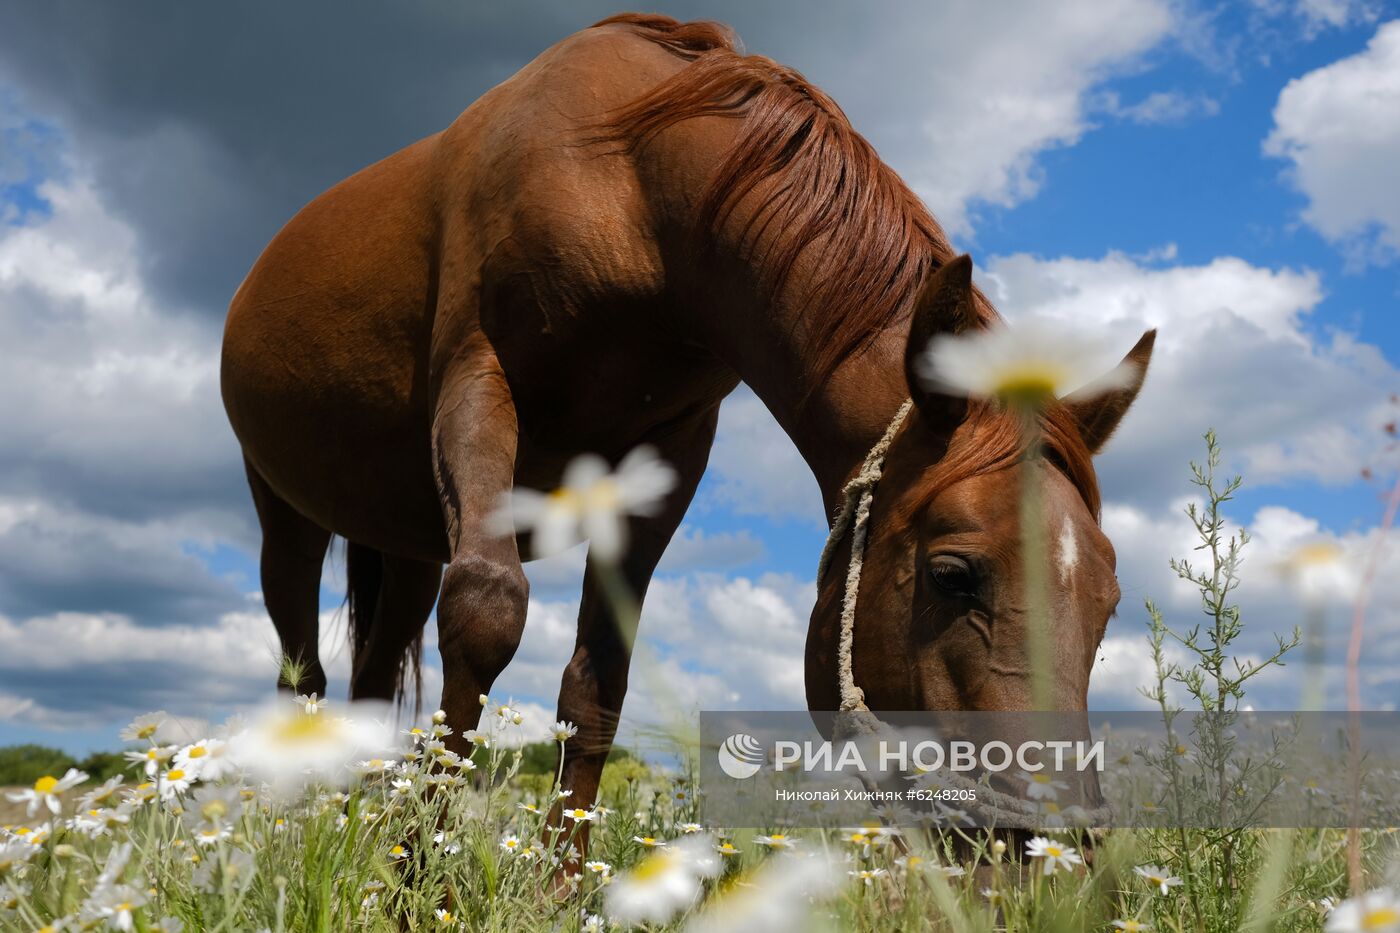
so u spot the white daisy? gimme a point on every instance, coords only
(1056, 854)
(1375, 911)
(776, 841)
(287, 748)
(117, 905)
(205, 759)
(1041, 786)
(151, 758)
(782, 895)
(868, 876)
(1159, 878)
(1030, 364)
(563, 731)
(310, 704)
(144, 728)
(175, 782)
(662, 884)
(211, 835)
(46, 790)
(13, 853)
(102, 795)
(580, 815)
(593, 503)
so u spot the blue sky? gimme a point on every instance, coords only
(1230, 175)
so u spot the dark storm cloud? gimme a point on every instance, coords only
(212, 123)
(52, 561)
(120, 690)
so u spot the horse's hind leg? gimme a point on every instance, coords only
(293, 549)
(407, 590)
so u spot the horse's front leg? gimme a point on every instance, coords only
(481, 609)
(595, 681)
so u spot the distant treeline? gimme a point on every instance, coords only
(25, 764)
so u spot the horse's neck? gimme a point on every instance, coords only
(833, 421)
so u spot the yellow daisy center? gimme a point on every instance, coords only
(295, 729)
(1029, 384)
(1054, 851)
(46, 784)
(1380, 919)
(566, 498)
(651, 867)
(198, 751)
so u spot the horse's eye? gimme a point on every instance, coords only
(952, 575)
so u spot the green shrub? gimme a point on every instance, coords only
(25, 764)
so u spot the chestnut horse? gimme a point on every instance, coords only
(591, 257)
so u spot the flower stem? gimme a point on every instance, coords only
(1035, 563)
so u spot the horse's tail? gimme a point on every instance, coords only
(364, 575)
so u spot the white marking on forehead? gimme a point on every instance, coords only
(1069, 550)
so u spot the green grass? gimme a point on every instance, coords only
(326, 859)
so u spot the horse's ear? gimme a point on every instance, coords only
(1098, 412)
(945, 306)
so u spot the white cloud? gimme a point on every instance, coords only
(754, 467)
(1160, 108)
(1273, 601)
(1233, 352)
(1320, 14)
(976, 91)
(1337, 126)
(94, 374)
(706, 641)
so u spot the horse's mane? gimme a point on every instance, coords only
(992, 438)
(829, 190)
(823, 188)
